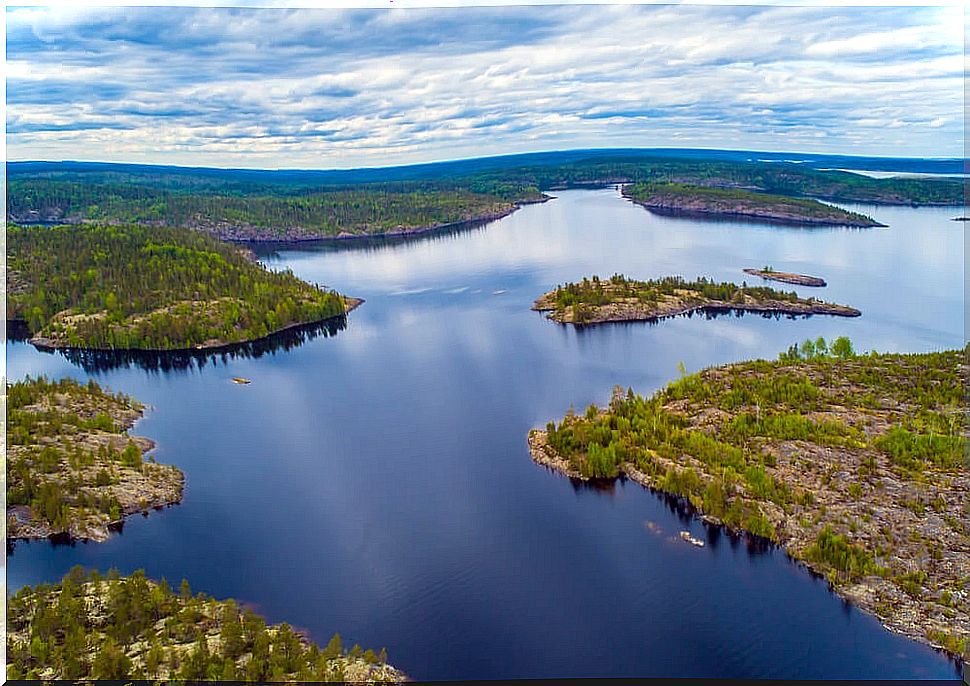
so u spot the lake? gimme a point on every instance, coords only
(374, 478)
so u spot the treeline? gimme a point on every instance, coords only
(260, 212)
(784, 179)
(205, 198)
(595, 291)
(90, 626)
(129, 287)
(717, 199)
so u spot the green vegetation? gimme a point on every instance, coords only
(618, 298)
(802, 451)
(693, 198)
(266, 213)
(90, 626)
(254, 205)
(135, 287)
(71, 467)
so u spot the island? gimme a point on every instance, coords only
(691, 199)
(72, 468)
(103, 287)
(787, 277)
(855, 464)
(112, 627)
(619, 299)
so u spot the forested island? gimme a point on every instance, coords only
(72, 468)
(619, 299)
(855, 464)
(787, 277)
(151, 288)
(262, 205)
(706, 201)
(90, 626)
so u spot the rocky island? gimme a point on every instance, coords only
(72, 468)
(693, 199)
(110, 627)
(151, 288)
(619, 299)
(855, 464)
(787, 277)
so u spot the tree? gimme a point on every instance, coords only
(842, 348)
(334, 648)
(110, 662)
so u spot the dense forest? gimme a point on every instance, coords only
(856, 463)
(258, 215)
(138, 287)
(698, 199)
(90, 626)
(263, 205)
(71, 466)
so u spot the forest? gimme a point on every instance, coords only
(93, 626)
(267, 205)
(71, 467)
(159, 288)
(808, 451)
(692, 197)
(596, 291)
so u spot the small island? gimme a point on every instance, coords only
(113, 627)
(708, 201)
(72, 468)
(151, 288)
(787, 277)
(855, 464)
(619, 299)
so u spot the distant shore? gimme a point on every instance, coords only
(734, 203)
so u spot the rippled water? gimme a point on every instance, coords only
(375, 479)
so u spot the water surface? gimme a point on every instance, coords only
(376, 480)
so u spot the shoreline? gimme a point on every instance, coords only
(342, 236)
(46, 344)
(152, 486)
(774, 219)
(543, 454)
(346, 236)
(621, 312)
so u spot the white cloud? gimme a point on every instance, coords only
(347, 88)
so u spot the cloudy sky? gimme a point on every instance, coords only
(319, 88)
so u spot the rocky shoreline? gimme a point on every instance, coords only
(43, 343)
(633, 310)
(90, 469)
(788, 277)
(912, 527)
(866, 595)
(784, 211)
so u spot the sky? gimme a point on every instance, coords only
(334, 88)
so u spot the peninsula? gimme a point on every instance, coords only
(855, 464)
(72, 468)
(112, 627)
(708, 201)
(619, 299)
(787, 277)
(151, 288)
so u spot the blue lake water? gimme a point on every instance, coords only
(376, 480)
